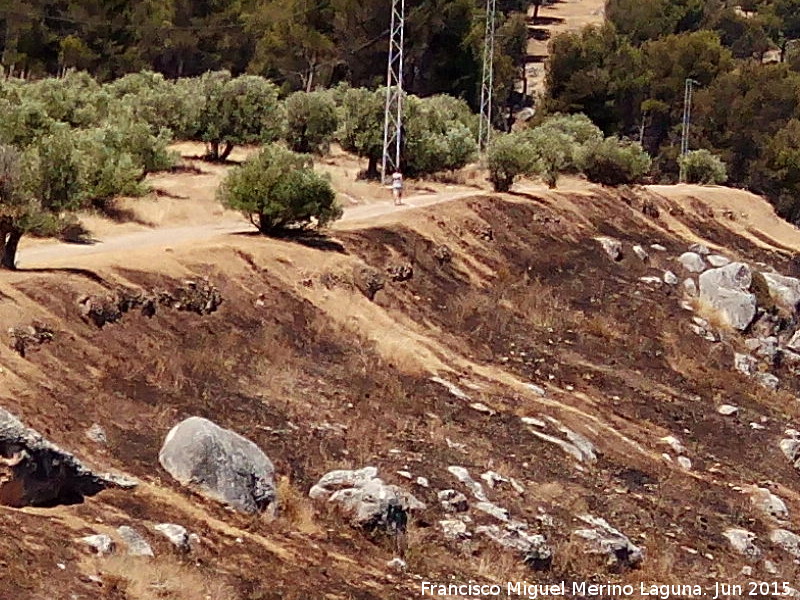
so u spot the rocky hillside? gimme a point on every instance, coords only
(586, 386)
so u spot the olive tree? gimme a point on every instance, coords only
(278, 189)
(311, 121)
(510, 156)
(361, 125)
(700, 166)
(614, 162)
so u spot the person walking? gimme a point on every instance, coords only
(397, 188)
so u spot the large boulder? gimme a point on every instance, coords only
(784, 290)
(220, 464)
(36, 472)
(727, 290)
(370, 503)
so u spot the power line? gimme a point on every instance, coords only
(487, 77)
(393, 113)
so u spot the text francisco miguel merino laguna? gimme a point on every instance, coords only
(645, 591)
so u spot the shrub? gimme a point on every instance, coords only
(508, 157)
(105, 170)
(700, 166)
(277, 189)
(613, 162)
(361, 124)
(311, 121)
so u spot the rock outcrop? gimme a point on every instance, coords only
(220, 464)
(605, 539)
(727, 290)
(36, 472)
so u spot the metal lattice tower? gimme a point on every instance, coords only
(487, 80)
(393, 120)
(688, 92)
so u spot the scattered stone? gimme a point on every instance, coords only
(493, 478)
(785, 290)
(177, 535)
(692, 262)
(463, 476)
(794, 342)
(397, 564)
(137, 545)
(400, 273)
(405, 474)
(369, 281)
(690, 287)
(788, 541)
(674, 443)
(747, 571)
(700, 249)
(743, 542)
(451, 387)
(685, 463)
(650, 279)
(453, 501)
(768, 381)
(658, 247)
(726, 290)
(540, 391)
(199, 297)
(25, 336)
(745, 364)
(422, 482)
(770, 567)
(790, 446)
(491, 509)
(97, 434)
(100, 543)
(442, 254)
(534, 421)
(769, 503)
(220, 464)
(482, 408)
(604, 539)
(455, 530)
(716, 260)
(670, 278)
(534, 548)
(641, 253)
(39, 473)
(371, 503)
(611, 247)
(726, 410)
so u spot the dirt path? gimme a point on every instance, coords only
(46, 255)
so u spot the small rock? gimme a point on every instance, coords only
(690, 287)
(499, 513)
(770, 567)
(533, 421)
(422, 482)
(658, 247)
(747, 571)
(454, 530)
(482, 408)
(400, 273)
(97, 434)
(451, 387)
(101, 543)
(137, 545)
(604, 539)
(442, 254)
(404, 474)
(453, 501)
(726, 289)
(533, 548)
(640, 252)
(785, 290)
(670, 278)
(727, 410)
(692, 262)
(650, 279)
(685, 463)
(674, 443)
(463, 476)
(768, 381)
(538, 390)
(176, 534)
(716, 260)
(397, 564)
(769, 503)
(745, 364)
(700, 249)
(788, 541)
(743, 542)
(612, 247)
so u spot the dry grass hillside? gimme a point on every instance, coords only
(508, 292)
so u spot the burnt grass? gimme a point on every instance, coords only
(546, 306)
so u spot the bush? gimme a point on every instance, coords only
(613, 162)
(311, 121)
(278, 189)
(700, 166)
(361, 124)
(508, 157)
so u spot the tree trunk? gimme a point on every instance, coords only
(8, 260)
(226, 152)
(213, 151)
(372, 168)
(536, 6)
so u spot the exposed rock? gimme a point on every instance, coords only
(422, 482)
(371, 503)
(35, 472)
(177, 535)
(100, 543)
(726, 410)
(137, 545)
(533, 421)
(464, 477)
(674, 443)
(794, 342)
(700, 249)
(442, 254)
(455, 530)
(785, 290)
(536, 389)
(199, 297)
(690, 287)
(369, 281)
(766, 346)
(534, 548)
(482, 408)
(658, 247)
(650, 279)
(767, 380)
(640, 252)
(670, 278)
(451, 387)
(604, 539)
(743, 542)
(685, 463)
(790, 446)
(745, 364)
(491, 509)
(453, 501)
(397, 564)
(493, 478)
(611, 247)
(400, 273)
(716, 260)
(220, 464)
(692, 262)
(97, 434)
(788, 541)
(726, 289)
(769, 503)
(26, 336)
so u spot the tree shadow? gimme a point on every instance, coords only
(542, 35)
(309, 239)
(162, 193)
(540, 20)
(77, 234)
(86, 273)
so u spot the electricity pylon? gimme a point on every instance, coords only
(688, 92)
(487, 79)
(393, 119)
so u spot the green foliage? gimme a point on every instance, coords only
(700, 166)
(76, 99)
(311, 121)
(509, 157)
(278, 189)
(361, 125)
(234, 111)
(613, 162)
